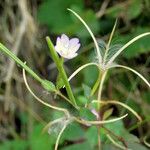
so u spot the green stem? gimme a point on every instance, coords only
(96, 84)
(102, 78)
(61, 70)
(19, 62)
(99, 138)
(46, 84)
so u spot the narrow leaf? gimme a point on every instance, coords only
(126, 45)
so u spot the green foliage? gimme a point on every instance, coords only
(146, 96)
(132, 141)
(92, 132)
(136, 146)
(90, 75)
(54, 19)
(140, 47)
(84, 145)
(74, 132)
(87, 90)
(54, 14)
(48, 14)
(131, 9)
(59, 82)
(133, 146)
(36, 141)
(117, 127)
(40, 141)
(86, 114)
(14, 145)
(82, 100)
(107, 113)
(49, 86)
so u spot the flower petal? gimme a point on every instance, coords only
(70, 56)
(57, 48)
(58, 41)
(75, 48)
(67, 48)
(65, 40)
(61, 50)
(73, 42)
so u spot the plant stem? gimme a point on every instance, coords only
(114, 135)
(99, 138)
(7, 52)
(19, 62)
(101, 79)
(96, 84)
(61, 70)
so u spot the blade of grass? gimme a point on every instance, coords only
(121, 104)
(115, 143)
(7, 52)
(108, 45)
(126, 45)
(132, 70)
(81, 68)
(91, 33)
(59, 136)
(86, 122)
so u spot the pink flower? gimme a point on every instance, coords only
(67, 48)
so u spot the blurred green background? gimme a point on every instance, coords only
(24, 24)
